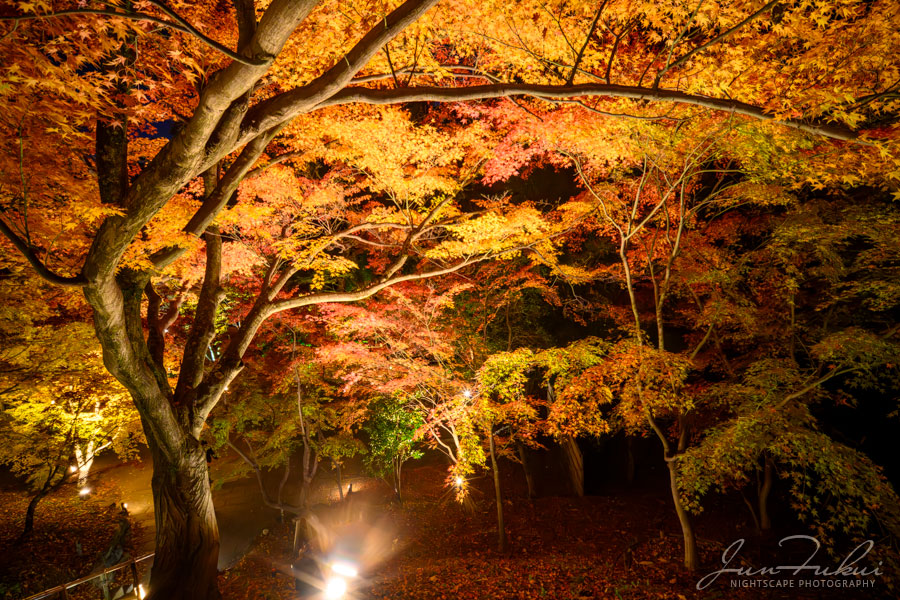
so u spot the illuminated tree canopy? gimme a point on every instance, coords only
(198, 169)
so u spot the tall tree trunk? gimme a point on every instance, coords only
(340, 478)
(187, 535)
(501, 528)
(398, 472)
(575, 463)
(529, 479)
(691, 559)
(84, 460)
(765, 521)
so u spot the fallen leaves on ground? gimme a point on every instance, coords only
(70, 535)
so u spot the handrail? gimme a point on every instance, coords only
(63, 589)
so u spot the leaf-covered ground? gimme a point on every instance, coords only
(616, 547)
(70, 536)
(622, 546)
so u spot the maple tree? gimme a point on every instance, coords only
(392, 429)
(60, 406)
(165, 114)
(806, 344)
(270, 418)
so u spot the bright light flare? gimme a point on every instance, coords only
(84, 491)
(125, 505)
(459, 481)
(335, 588)
(345, 569)
(72, 469)
(141, 592)
(467, 394)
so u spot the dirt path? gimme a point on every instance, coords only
(240, 511)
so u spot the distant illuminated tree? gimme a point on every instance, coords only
(61, 408)
(392, 428)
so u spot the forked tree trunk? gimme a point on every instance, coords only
(84, 460)
(691, 559)
(187, 535)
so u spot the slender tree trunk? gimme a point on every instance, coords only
(752, 510)
(284, 479)
(529, 479)
(46, 488)
(398, 471)
(501, 528)
(765, 521)
(691, 559)
(575, 463)
(29, 514)
(187, 535)
(340, 479)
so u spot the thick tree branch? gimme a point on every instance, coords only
(245, 12)
(217, 198)
(186, 154)
(286, 106)
(384, 31)
(203, 327)
(481, 92)
(157, 324)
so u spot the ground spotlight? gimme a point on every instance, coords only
(335, 588)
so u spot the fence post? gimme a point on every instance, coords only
(134, 576)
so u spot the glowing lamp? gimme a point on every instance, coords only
(335, 588)
(84, 491)
(459, 481)
(345, 569)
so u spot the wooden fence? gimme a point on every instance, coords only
(62, 591)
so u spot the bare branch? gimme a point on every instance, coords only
(181, 25)
(587, 40)
(39, 267)
(715, 40)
